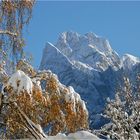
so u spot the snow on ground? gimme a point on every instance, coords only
(79, 135)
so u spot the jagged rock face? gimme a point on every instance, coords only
(89, 64)
(129, 61)
(89, 49)
(131, 67)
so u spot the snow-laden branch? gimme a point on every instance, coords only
(33, 129)
(8, 33)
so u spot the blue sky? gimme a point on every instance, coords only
(118, 21)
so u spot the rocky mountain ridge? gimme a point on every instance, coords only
(88, 64)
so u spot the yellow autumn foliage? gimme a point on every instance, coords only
(48, 108)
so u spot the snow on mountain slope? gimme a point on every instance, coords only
(55, 57)
(88, 64)
(89, 49)
(76, 74)
(128, 61)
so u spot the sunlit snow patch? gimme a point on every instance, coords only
(19, 81)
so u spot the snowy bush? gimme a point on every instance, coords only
(19, 82)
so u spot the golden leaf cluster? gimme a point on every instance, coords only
(47, 108)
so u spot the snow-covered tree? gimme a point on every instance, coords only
(124, 113)
(40, 98)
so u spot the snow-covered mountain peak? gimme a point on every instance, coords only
(128, 61)
(75, 40)
(49, 44)
(131, 57)
(91, 35)
(88, 64)
(68, 38)
(51, 49)
(102, 44)
(89, 49)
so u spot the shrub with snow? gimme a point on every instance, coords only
(19, 82)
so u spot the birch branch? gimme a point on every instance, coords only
(30, 125)
(8, 33)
